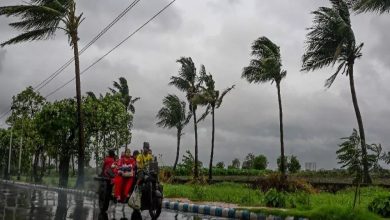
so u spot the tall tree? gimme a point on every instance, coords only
(189, 82)
(360, 6)
(331, 40)
(266, 66)
(122, 88)
(212, 98)
(173, 115)
(39, 20)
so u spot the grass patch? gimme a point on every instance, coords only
(321, 206)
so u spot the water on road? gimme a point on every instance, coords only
(17, 203)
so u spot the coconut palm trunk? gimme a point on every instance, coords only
(81, 153)
(178, 149)
(196, 170)
(366, 176)
(283, 161)
(212, 144)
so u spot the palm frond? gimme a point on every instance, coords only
(40, 34)
(330, 40)
(204, 115)
(266, 65)
(180, 83)
(330, 80)
(220, 99)
(379, 6)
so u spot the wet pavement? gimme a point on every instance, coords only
(21, 203)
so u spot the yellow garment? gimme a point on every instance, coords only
(143, 160)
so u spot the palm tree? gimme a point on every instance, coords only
(331, 40)
(122, 88)
(361, 6)
(189, 82)
(128, 101)
(39, 20)
(266, 67)
(173, 114)
(211, 98)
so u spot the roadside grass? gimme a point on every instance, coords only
(322, 206)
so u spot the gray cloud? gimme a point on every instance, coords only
(218, 34)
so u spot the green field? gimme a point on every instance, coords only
(336, 206)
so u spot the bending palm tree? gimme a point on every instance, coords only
(188, 82)
(264, 68)
(361, 6)
(39, 20)
(331, 40)
(173, 114)
(123, 89)
(211, 98)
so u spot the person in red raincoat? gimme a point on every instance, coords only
(125, 178)
(107, 164)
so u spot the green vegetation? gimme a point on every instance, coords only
(315, 206)
(380, 206)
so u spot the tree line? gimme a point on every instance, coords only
(43, 134)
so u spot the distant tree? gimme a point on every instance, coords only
(122, 88)
(260, 162)
(220, 165)
(266, 66)
(293, 165)
(173, 115)
(212, 98)
(188, 81)
(249, 161)
(278, 161)
(188, 162)
(350, 155)
(236, 163)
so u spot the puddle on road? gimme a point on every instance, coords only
(17, 203)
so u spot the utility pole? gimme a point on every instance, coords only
(20, 156)
(9, 157)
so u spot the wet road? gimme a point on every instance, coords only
(17, 203)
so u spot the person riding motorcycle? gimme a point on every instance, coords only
(145, 156)
(124, 180)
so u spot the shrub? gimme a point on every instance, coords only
(380, 206)
(290, 185)
(274, 198)
(300, 200)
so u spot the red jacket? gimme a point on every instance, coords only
(126, 164)
(108, 161)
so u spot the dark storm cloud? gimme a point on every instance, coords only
(218, 34)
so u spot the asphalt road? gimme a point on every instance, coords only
(17, 203)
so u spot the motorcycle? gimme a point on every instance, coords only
(150, 188)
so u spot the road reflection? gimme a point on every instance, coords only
(17, 203)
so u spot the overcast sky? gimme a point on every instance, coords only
(218, 34)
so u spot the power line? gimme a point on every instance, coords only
(63, 67)
(106, 54)
(50, 78)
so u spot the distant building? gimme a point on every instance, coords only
(310, 166)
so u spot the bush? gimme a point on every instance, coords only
(300, 200)
(290, 185)
(274, 198)
(380, 206)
